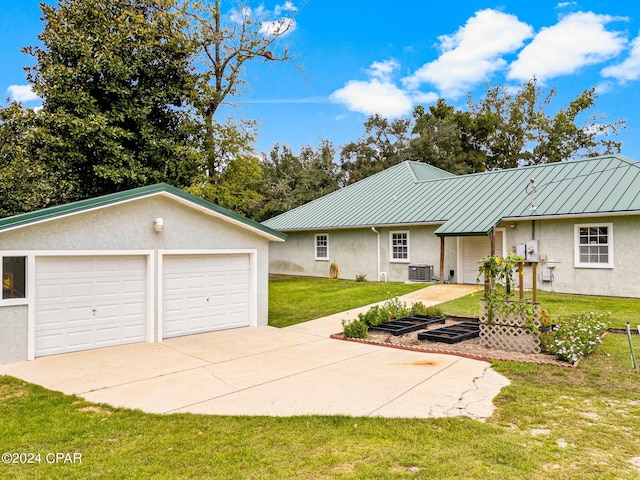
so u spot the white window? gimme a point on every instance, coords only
(14, 279)
(594, 245)
(322, 246)
(399, 246)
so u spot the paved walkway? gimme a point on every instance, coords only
(296, 370)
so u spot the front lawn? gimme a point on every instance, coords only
(299, 299)
(622, 310)
(550, 423)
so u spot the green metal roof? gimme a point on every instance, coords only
(52, 213)
(473, 204)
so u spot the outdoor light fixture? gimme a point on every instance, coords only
(158, 224)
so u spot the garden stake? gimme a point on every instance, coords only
(633, 357)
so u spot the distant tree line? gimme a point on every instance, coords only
(131, 93)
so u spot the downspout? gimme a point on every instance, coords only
(378, 250)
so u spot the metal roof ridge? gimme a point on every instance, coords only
(409, 164)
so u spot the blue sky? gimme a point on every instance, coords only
(364, 57)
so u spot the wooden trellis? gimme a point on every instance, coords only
(511, 330)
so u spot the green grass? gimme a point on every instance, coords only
(299, 299)
(591, 414)
(622, 310)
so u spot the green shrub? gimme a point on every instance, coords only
(361, 277)
(420, 308)
(374, 316)
(355, 329)
(379, 314)
(396, 308)
(575, 335)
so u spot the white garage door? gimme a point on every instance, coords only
(89, 302)
(203, 293)
(473, 249)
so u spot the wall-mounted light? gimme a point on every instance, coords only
(158, 224)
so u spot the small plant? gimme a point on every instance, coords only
(355, 329)
(374, 316)
(575, 335)
(420, 308)
(394, 308)
(360, 277)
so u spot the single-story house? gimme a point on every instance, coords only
(580, 220)
(136, 266)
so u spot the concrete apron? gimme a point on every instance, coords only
(296, 370)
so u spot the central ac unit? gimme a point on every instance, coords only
(420, 273)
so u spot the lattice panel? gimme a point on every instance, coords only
(505, 337)
(510, 330)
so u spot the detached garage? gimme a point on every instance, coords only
(136, 266)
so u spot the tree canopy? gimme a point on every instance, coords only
(132, 91)
(114, 77)
(507, 129)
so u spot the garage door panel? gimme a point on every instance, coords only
(89, 302)
(203, 293)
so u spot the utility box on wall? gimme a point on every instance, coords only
(531, 251)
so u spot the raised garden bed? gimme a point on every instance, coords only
(453, 333)
(410, 324)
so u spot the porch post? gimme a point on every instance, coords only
(441, 259)
(492, 238)
(534, 272)
(521, 279)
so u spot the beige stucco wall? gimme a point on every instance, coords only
(129, 226)
(355, 252)
(13, 334)
(556, 241)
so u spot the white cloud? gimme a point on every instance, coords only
(566, 4)
(282, 26)
(422, 97)
(473, 53)
(376, 95)
(628, 70)
(287, 7)
(383, 70)
(577, 40)
(603, 87)
(22, 93)
(373, 96)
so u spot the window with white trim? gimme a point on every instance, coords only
(322, 246)
(399, 246)
(14, 278)
(594, 245)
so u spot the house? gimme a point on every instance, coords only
(136, 266)
(579, 219)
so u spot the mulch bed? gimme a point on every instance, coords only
(467, 348)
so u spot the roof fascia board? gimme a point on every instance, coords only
(565, 216)
(54, 215)
(72, 211)
(222, 216)
(368, 226)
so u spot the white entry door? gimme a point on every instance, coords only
(473, 249)
(87, 302)
(204, 293)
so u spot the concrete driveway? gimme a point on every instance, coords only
(296, 370)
